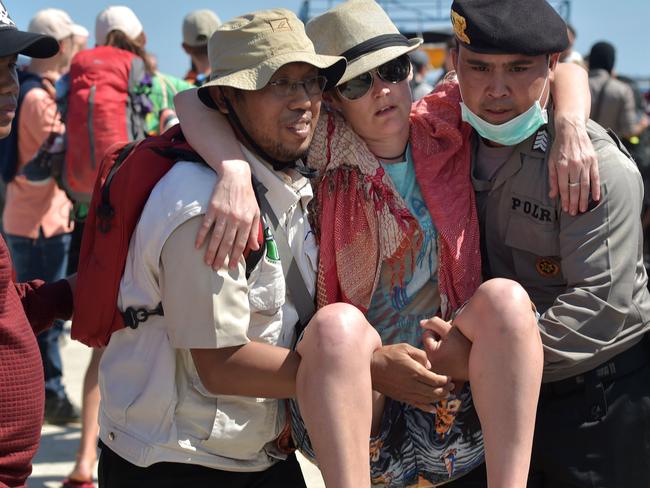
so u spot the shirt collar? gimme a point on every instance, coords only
(285, 188)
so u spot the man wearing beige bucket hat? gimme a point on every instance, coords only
(190, 398)
(417, 199)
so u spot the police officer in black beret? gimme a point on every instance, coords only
(584, 272)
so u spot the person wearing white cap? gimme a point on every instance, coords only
(118, 26)
(26, 308)
(118, 18)
(36, 215)
(198, 27)
(80, 38)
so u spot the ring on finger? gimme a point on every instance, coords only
(573, 185)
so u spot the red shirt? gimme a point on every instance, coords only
(25, 309)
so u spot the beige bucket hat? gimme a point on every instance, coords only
(246, 51)
(361, 32)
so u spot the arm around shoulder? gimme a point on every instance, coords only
(233, 214)
(573, 169)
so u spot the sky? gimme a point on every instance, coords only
(624, 23)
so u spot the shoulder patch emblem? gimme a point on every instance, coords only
(460, 24)
(541, 141)
(547, 267)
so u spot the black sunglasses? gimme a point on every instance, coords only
(393, 71)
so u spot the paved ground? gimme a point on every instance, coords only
(56, 455)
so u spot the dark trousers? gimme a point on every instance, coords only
(116, 472)
(45, 259)
(596, 433)
(593, 430)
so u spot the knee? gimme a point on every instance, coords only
(507, 304)
(339, 328)
(499, 294)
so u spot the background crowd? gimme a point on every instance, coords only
(43, 218)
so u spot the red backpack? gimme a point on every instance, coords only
(127, 175)
(106, 103)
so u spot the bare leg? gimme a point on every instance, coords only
(87, 453)
(335, 395)
(505, 370)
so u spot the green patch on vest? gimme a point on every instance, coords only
(272, 253)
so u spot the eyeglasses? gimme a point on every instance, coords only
(393, 71)
(285, 87)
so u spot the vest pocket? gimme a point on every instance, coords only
(230, 426)
(266, 287)
(145, 403)
(242, 427)
(535, 252)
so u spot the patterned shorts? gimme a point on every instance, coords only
(416, 448)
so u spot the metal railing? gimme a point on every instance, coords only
(414, 15)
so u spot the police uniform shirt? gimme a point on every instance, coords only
(584, 273)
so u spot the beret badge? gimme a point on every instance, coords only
(460, 24)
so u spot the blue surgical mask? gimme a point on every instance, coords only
(512, 132)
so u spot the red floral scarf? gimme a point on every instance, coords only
(362, 222)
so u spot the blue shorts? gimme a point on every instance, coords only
(414, 446)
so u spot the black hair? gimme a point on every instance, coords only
(602, 56)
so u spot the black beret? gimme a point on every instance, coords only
(530, 27)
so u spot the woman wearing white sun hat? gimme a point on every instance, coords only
(392, 197)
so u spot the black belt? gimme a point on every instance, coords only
(620, 365)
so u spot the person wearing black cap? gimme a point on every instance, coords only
(612, 101)
(583, 272)
(26, 308)
(12, 43)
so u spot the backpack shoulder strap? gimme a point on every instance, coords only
(139, 91)
(302, 299)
